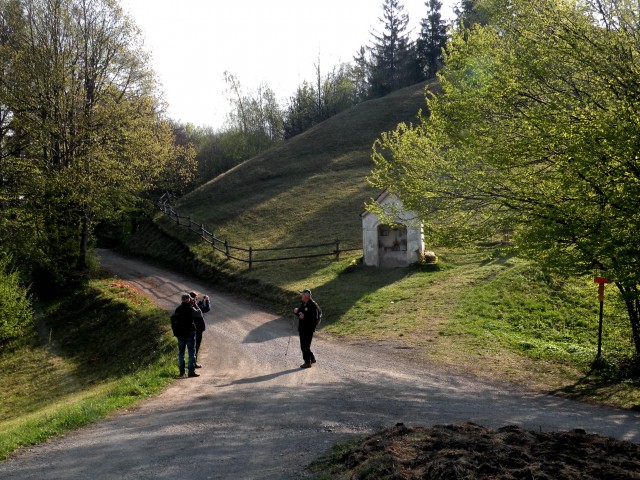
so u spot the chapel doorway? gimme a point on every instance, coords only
(392, 246)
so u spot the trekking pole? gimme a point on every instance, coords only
(290, 334)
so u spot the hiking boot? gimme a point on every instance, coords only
(305, 365)
(194, 374)
(198, 365)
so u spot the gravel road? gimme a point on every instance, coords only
(255, 414)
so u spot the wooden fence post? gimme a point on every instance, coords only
(202, 232)
(226, 247)
(177, 219)
(250, 257)
(337, 249)
(189, 222)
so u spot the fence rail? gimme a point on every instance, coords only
(225, 248)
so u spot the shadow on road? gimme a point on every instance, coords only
(261, 378)
(278, 328)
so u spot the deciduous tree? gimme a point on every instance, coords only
(84, 133)
(537, 131)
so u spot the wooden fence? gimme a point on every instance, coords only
(247, 255)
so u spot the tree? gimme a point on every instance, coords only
(536, 131)
(470, 13)
(85, 136)
(16, 313)
(312, 104)
(215, 151)
(256, 115)
(391, 66)
(360, 74)
(432, 40)
(301, 112)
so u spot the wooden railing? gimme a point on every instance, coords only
(248, 255)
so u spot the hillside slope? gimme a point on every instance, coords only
(309, 189)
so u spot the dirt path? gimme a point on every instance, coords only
(254, 414)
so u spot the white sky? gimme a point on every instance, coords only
(193, 42)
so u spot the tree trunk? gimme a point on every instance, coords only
(84, 240)
(632, 301)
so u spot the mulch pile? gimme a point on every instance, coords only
(469, 451)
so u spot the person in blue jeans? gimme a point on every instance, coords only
(184, 328)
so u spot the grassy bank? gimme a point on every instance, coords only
(101, 348)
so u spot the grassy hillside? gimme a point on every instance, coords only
(86, 360)
(311, 188)
(478, 312)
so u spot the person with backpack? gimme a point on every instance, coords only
(184, 329)
(200, 307)
(309, 317)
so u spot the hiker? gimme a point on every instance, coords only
(184, 328)
(309, 315)
(200, 325)
(205, 304)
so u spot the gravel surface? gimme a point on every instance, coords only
(255, 414)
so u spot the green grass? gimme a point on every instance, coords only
(102, 348)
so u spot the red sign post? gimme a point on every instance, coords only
(601, 281)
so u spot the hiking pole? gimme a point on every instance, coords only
(289, 342)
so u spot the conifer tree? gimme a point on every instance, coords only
(432, 40)
(392, 66)
(361, 73)
(469, 13)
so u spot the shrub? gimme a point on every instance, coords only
(15, 304)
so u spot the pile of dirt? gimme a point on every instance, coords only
(469, 451)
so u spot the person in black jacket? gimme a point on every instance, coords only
(308, 314)
(185, 331)
(200, 325)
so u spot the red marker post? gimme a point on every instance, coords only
(601, 281)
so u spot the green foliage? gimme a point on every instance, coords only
(82, 137)
(15, 304)
(392, 64)
(536, 133)
(256, 115)
(432, 41)
(312, 104)
(470, 13)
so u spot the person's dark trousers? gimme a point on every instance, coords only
(198, 342)
(190, 343)
(305, 345)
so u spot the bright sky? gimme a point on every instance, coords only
(193, 42)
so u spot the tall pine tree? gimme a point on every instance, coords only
(470, 13)
(433, 38)
(392, 54)
(361, 74)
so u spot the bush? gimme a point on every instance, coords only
(15, 305)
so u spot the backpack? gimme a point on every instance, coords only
(318, 313)
(175, 325)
